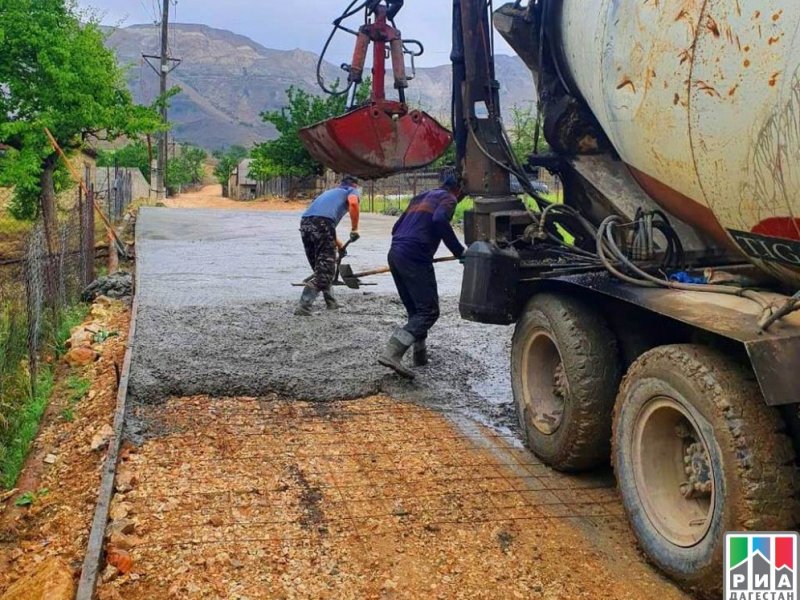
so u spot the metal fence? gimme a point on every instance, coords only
(46, 278)
(388, 196)
(41, 277)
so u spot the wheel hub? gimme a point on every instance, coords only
(673, 472)
(560, 382)
(545, 384)
(698, 470)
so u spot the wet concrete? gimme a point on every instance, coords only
(215, 317)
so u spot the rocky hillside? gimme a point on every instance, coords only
(228, 79)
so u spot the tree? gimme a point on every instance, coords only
(132, 156)
(448, 159)
(227, 162)
(286, 155)
(523, 133)
(55, 72)
(186, 168)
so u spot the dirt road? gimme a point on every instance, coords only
(211, 197)
(275, 459)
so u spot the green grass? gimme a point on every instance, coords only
(22, 405)
(381, 205)
(77, 388)
(69, 318)
(9, 226)
(30, 498)
(25, 425)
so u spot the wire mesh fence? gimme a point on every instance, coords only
(43, 271)
(57, 266)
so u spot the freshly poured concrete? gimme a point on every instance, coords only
(215, 317)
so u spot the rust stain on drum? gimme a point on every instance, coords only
(712, 26)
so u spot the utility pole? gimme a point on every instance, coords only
(165, 68)
(166, 65)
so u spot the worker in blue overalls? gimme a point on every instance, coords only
(415, 240)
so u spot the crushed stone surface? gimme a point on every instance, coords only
(269, 498)
(62, 472)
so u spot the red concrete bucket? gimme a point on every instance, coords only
(377, 140)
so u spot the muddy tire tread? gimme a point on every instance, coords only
(767, 497)
(587, 337)
(757, 430)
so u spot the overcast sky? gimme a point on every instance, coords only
(290, 24)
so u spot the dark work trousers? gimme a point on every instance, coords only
(416, 284)
(319, 241)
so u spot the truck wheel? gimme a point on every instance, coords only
(565, 372)
(698, 453)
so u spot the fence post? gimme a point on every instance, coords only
(33, 321)
(108, 192)
(87, 238)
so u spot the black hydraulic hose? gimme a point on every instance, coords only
(606, 237)
(348, 12)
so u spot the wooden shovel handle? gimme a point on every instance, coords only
(388, 270)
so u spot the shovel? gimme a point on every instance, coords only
(336, 280)
(353, 280)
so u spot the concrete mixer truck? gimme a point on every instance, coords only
(655, 308)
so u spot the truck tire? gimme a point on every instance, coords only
(697, 453)
(565, 372)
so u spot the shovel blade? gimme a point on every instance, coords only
(377, 140)
(349, 278)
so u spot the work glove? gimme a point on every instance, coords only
(342, 252)
(354, 236)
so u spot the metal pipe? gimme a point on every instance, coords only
(359, 58)
(379, 59)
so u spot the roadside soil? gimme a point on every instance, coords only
(211, 197)
(62, 473)
(272, 498)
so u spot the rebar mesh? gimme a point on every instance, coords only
(242, 477)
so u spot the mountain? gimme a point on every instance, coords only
(228, 79)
